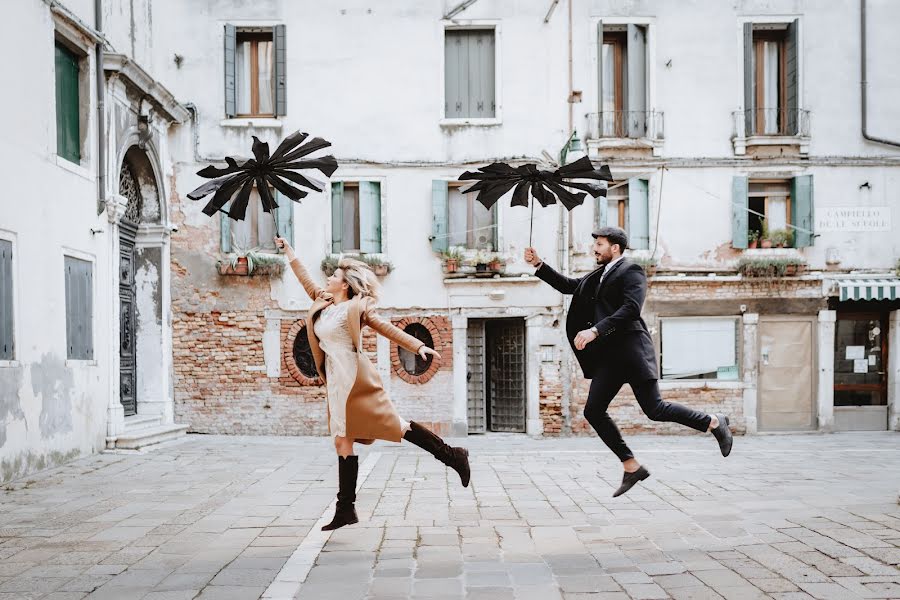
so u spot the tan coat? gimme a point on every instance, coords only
(370, 413)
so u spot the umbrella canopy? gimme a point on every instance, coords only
(495, 180)
(278, 170)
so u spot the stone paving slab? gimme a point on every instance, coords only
(793, 516)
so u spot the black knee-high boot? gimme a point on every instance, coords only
(345, 511)
(455, 458)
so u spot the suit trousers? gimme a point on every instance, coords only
(604, 388)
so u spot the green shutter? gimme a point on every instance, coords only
(337, 216)
(280, 71)
(284, 217)
(440, 216)
(225, 232)
(749, 83)
(370, 217)
(601, 206)
(481, 74)
(7, 340)
(791, 78)
(740, 222)
(230, 85)
(68, 134)
(638, 213)
(802, 210)
(456, 65)
(637, 81)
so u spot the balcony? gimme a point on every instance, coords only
(772, 129)
(623, 129)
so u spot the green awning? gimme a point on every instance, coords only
(879, 288)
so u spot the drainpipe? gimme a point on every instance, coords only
(101, 110)
(863, 83)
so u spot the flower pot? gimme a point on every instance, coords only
(481, 267)
(752, 245)
(452, 265)
(766, 243)
(240, 267)
(495, 266)
(380, 270)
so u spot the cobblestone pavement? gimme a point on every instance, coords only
(791, 517)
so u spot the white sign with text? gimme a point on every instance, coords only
(853, 218)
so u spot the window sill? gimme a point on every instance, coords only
(773, 252)
(257, 122)
(491, 122)
(713, 384)
(465, 278)
(9, 364)
(654, 145)
(73, 362)
(742, 144)
(75, 168)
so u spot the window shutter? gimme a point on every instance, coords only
(225, 233)
(749, 82)
(600, 77)
(637, 81)
(68, 106)
(337, 216)
(495, 230)
(740, 221)
(284, 217)
(792, 78)
(79, 300)
(639, 213)
(601, 207)
(481, 74)
(456, 66)
(280, 71)
(230, 91)
(370, 217)
(70, 308)
(440, 216)
(7, 341)
(802, 210)
(87, 295)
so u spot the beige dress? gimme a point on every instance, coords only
(340, 363)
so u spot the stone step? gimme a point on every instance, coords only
(142, 421)
(135, 439)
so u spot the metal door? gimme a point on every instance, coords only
(506, 366)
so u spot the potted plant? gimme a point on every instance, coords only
(764, 240)
(330, 264)
(379, 265)
(752, 239)
(481, 261)
(264, 264)
(239, 262)
(452, 257)
(496, 263)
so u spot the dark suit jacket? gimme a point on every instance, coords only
(624, 347)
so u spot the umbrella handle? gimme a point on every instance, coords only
(531, 227)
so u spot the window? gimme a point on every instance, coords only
(7, 332)
(626, 205)
(469, 74)
(472, 225)
(68, 104)
(700, 348)
(771, 78)
(773, 211)
(255, 71)
(303, 355)
(623, 82)
(79, 309)
(356, 217)
(258, 229)
(412, 363)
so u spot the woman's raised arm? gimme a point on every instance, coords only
(299, 270)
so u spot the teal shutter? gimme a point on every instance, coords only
(740, 222)
(638, 213)
(456, 83)
(7, 339)
(68, 130)
(230, 86)
(370, 217)
(284, 217)
(792, 79)
(749, 82)
(280, 71)
(802, 210)
(481, 74)
(601, 207)
(337, 216)
(495, 229)
(225, 232)
(637, 81)
(440, 216)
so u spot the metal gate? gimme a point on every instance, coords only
(496, 375)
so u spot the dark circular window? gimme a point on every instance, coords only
(303, 355)
(412, 363)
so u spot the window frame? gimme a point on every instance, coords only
(464, 24)
(738, 349)
(355, 181)
(83, 256)
(79, 41)
(789, 199)
(619, 42)
(257, 34)
(759, 40)
(495, 214)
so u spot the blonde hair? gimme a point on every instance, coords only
(360, 277)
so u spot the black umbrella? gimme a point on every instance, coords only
(495, 180)
(278, 170)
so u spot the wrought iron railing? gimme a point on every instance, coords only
(646, 124)
(771, 121)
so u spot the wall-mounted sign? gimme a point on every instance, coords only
(853, 218)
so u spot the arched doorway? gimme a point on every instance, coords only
(139, 269)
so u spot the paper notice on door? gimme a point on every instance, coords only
(856, 352)
(861, 366)
(872, 360)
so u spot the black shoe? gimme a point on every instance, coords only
(345, 511)
(630, 479)
(723, 435)
(455, 458)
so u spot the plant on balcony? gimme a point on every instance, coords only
(765, 240)
(251, 262)
(765, 267)
(481, 261)
(452, 258)
(379, 265)
(782, 238)
(496, 263)
(330, 264)
(752, 239)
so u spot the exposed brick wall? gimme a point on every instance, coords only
(442, 342)
(551, 397)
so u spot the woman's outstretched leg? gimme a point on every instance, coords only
(348, 469)
(455, 458)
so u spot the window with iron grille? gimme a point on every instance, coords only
(303, 355)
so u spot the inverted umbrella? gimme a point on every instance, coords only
(496, 179)
(236, 181)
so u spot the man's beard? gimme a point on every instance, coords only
(601, 260)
